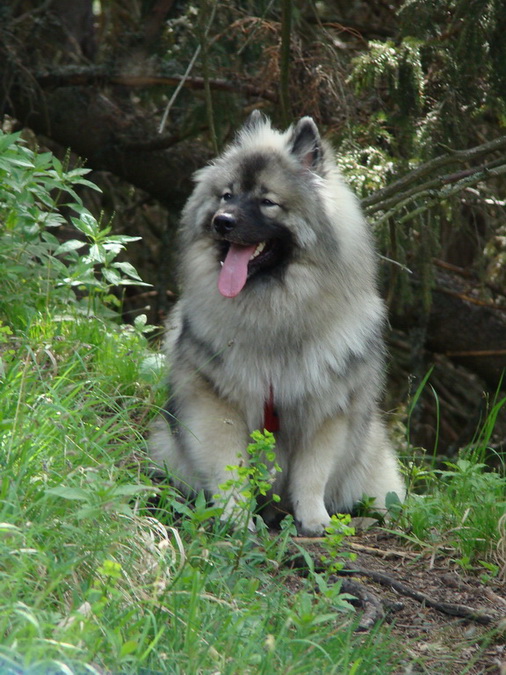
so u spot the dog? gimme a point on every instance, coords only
(279, 325)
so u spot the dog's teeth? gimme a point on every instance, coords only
(221, 263)
(259, 249)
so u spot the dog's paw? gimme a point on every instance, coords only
(312, 525)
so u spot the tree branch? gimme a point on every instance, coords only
(72, 77)
(175, 94)
(414, 192)
(431, 195)
(458, 156)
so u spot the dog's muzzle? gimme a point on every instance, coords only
(223, 223)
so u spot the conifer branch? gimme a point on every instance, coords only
(430, 194)
(396, 189)
(435, 183)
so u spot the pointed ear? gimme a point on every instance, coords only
(306, 143)
(255, 119)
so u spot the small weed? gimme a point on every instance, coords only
(257, 476)
(250, 480)
(337, 532)
(490, 572)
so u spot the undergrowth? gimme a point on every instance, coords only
(93, 577)
(458, 507)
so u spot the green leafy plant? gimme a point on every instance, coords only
(98, 271)
(255, 477)
(337, 532)
(490, 571)
(35, 189)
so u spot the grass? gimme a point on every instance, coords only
(89, 580)
(461, 512)
(93, 579)
(460, 506)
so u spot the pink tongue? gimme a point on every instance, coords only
(234, 272)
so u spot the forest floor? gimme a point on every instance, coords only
(447, 620)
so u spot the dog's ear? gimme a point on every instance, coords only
(255, 119)
(305, 143)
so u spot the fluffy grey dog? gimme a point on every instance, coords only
(279, 325)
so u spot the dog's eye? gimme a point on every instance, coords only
(268, 202)
(227, 196)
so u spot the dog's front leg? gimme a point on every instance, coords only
(214, 436)
(312, 467)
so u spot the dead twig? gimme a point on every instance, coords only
(463, 611)
(372, 606)
(381, 553)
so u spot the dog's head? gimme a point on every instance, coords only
(258, 201)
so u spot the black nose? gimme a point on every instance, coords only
(224, 223)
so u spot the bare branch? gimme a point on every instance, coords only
(71, 77)
(470, 613)
(181, 84)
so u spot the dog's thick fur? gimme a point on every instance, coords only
(300, 323)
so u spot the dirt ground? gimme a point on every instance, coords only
(448, 621)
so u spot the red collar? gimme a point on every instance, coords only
(271, 419)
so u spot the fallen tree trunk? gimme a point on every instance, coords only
(109, 136)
